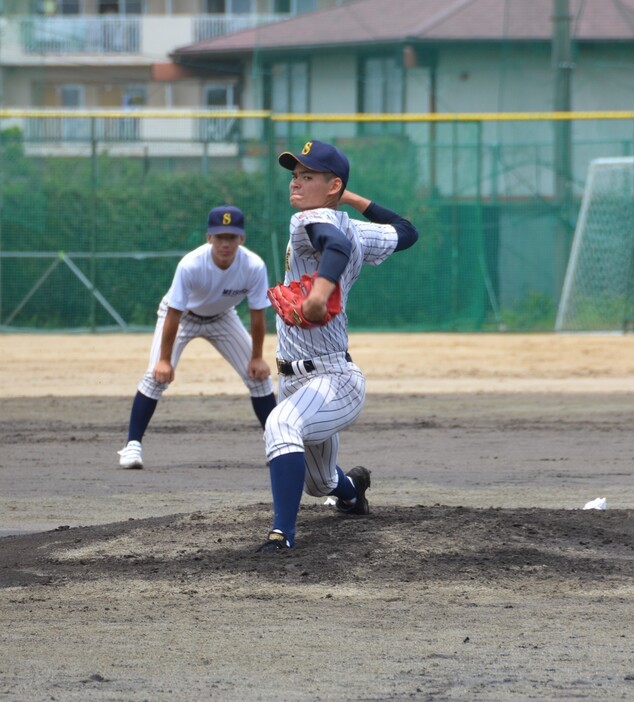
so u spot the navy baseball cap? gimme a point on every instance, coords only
(318, 156)
(225, 220)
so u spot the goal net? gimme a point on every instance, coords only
(598, 291)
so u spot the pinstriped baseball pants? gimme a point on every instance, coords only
(312, 409)
(226, 334)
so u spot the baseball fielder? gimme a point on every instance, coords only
(321, 390)
(208, 284)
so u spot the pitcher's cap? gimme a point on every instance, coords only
(225, 220)
(318, 156)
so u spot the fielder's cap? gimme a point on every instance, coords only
(318, 156)
(225, 220)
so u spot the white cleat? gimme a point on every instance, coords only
(131, 456)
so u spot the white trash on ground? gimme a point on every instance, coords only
(599, 503)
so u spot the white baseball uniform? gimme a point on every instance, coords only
(315, 405)
(207, 295)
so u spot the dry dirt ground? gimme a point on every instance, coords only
(477, 575)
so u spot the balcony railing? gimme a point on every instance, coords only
(94, 35)
(81, 130)
(85, 126)
(212, 26)
(217, 130)
(120, 35)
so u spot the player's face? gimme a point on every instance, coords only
(224, 248)
(310, 189)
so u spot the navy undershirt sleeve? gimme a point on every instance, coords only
(334, 247)
(405, 230)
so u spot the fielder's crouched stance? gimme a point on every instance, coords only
(321, 391)
(209, 282)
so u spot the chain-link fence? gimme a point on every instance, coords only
(97, 207)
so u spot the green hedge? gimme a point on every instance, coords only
(117, 205)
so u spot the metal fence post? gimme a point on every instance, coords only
(92, 221)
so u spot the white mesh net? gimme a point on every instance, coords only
(598, 292)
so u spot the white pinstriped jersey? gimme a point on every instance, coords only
(371, 244)
(200, 286)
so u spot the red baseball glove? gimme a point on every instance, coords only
(288, 300)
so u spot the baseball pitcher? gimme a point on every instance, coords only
(321, 390)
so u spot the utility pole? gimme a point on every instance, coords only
(563, 67)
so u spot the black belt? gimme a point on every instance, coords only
(286, 367)
(199, 318)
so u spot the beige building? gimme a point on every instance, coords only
(109, 53)
(316, 56)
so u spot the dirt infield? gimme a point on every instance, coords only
(477, 575)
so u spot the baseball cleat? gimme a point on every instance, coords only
(276, 541)
(360, 476)
(131, 456)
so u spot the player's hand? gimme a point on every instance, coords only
(308, 302)
(314, 309)
(316, 303)
(358, 202)
(163, 372)
(345, 197)
(258, 369)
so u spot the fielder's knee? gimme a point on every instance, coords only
(150, 387)
(258, 388)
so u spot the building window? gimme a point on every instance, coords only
(289, 94)
(383, 87)
(69, 7)
(48, 8)
(127, 129)
(229, 7)
(72, 128)
(71, 96)
(57, 7)
(382, 92)
(135, 95)
(221, 97)
(293, 7)
(74, 7)
(121, 7)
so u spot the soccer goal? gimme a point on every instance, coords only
(598, 290)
